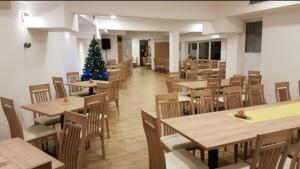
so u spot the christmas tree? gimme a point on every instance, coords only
(94, 67)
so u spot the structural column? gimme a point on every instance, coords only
(174, 51)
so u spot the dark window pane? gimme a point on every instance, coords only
(215, 53)
(253, 37)
(192, 51)
(203, 50)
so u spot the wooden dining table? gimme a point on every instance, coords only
(212, 131)
(200, 84)
(56, 107)
(18, 154)
(87, 84)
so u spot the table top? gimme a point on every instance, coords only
(86, 84)
(210, 69)
(113, 70)
(56, 107)
(215, 130)
(201, 84)
(18, 154)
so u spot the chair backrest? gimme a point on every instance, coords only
(73, 140)
(167, 106)
(156, 154)
(193, 66)
(114, 88)
(254, 79)
(104, 88)
(95, 109)
(215, 85)
(255, 94)
(271, 150)
(206, 74)
(123, 72)
(39, 93)
(114, 75)
(47, 165)
(236, 81)
(282, 91)
(233, 97)
(73, 77)
(59, 87)
(214, 64)
(253, 72)
(170, 81)
(202, 101)
(12, 118)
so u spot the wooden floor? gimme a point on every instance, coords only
(127, 147)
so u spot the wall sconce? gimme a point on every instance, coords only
(27, 45)
(23, 16)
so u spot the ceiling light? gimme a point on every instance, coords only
(113, 16)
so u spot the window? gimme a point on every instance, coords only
(215, 50)
(203, 50)
(253, 37)
(192, 51)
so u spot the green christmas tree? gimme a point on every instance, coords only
(94, 67)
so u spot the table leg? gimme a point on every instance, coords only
(62, 118)
(213, 158)
(91, 91)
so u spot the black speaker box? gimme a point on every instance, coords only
(105, 44)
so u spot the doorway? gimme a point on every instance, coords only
(143, 51)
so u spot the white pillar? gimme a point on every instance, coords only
(174, 51)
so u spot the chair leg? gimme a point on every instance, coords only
(236, 153)
(117, 104)
(103, 146)
(202, 153)
(107, 128)
(245, 151)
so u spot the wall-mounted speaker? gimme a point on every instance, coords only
(119, 39)
(105, 43)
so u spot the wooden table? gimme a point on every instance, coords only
(87, 84)
(210, 69)
(18, 154)
(113, 70)
(56, 107)
(201, 84)
(212, 131)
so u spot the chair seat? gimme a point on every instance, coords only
(45, 120)
(182, 159)
(183, 98)
(177, 141)
(37, 132)
(241, 165)
(82, 93)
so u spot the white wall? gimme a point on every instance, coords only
(136, 50)
(51, 54)
(112, 53)
(280, 51)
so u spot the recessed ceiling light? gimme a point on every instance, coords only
(113, 16)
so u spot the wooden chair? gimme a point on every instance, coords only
(75, 90)
(222, 70)
(282, 91)
(105, 88)
(170, 80)
(213, 64)
(202, 101)
(215, 85)
(232, 97)
(37, 134)
(59, 87)
(167, 106)
(254, 79)
(255, 94)
(270, 152)
(236, 81)
(114, 90)
(115, 75)
(111, 62)
(73, 140)
(41, 93)
(233, 100)
(253, 72)
(192, 73)
(95, 108)
(177, 159)
(123, 77)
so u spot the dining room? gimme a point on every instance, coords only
(149, 84)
